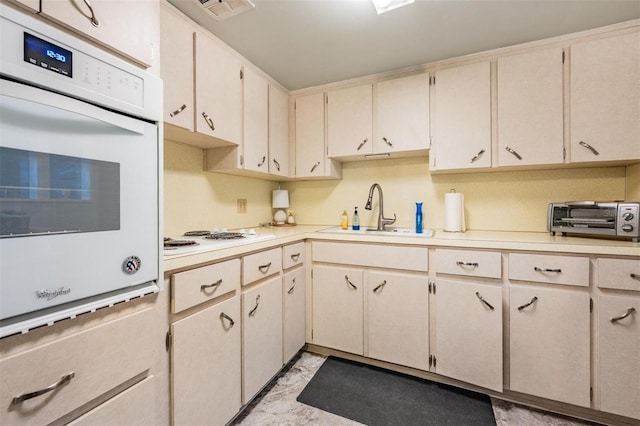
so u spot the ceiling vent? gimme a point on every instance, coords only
(223, 9)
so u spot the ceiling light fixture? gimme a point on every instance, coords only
(387, 5)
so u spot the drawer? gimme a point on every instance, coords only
(569, 270)
(292, 255)
(411, 258)
(100, 359)
(471, 263)
(190, 288)
(620, 274)
(261, 265)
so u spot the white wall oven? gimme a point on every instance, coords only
(79, 176)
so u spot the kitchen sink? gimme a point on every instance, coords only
(390, 231)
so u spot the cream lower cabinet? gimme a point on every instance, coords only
(293, 306)
(398, 318)
(468, 340)
(205, 365)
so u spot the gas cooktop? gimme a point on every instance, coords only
(201, 241)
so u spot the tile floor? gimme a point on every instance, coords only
(277, 405)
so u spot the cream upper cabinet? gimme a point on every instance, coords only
(129, 27)
(218, 87)
(530, 108)
(605, 99)
(350, 121)
(176, 67)
(278, 131)
(256, 121)
(402, 114)
(462, 118)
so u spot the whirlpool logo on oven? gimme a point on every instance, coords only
(52, 294)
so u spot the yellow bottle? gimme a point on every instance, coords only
(345, 219)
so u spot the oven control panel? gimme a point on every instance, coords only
(628, 219)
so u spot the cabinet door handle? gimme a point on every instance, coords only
(178, 111)
(623, 316)
(224, 316)
(262, 162)
(314, 167)
(350, 283)
(387, 142)
(63, 381)
(484, 301)
(93, 19)
(362, 144)
(295, 257)
(379, 286)
(264, 268)
(513, 152)
(472, 264)
(255, 308)
(589, 147)
(209, 121)
(531, 302)
(292, 287)
(477, 156)
(554, 270)
(277, 164)
(635, 276)
(206, 286)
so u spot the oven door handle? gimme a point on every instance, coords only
(54, 100)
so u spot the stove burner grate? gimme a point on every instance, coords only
(171, 243)
(196, 233)
(225, 236)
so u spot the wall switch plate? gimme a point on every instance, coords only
(242, 205)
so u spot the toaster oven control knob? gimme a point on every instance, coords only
(131, 264)
(627, 227)
(627, 216)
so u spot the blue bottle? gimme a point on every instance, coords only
(418, 218)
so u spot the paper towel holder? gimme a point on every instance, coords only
(454, 212)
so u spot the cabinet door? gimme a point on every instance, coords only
(294, 312)
(278, 131)
(402, 108)
(219, 90)
(398, 318)
(337, 308)
(176, 67)
(605, 99)
(350, 121)
(462, 118)
(530, 108)
(255, 122)
(619, 357)
(549, 343)
(310, 153)
(205, 361)
(261, 336)
(468, 343)
(120, 22)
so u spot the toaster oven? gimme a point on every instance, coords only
(592, 218)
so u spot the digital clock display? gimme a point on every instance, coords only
(47, 55)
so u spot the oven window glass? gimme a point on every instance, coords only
(42, 193)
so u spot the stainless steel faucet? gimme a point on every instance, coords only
(382, 221)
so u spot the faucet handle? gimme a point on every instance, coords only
(387, 221)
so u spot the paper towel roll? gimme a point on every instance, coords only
(454, 212)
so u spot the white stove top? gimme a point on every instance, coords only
(207, 244)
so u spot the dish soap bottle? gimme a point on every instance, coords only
(345, 219)
(418, 218)
(356, 221)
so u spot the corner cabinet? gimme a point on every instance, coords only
(605, 99)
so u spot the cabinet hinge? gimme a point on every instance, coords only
(563, 56)
(168, 340)
(242, 160)
(591, 394)
(241, 74)
(590, 305)
(430, 360)
(311, 334)
(311, 273)
(564, 154)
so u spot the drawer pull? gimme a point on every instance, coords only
(292, 287)
(178, 111)
(623, 316)
(277, 164)
(224, 316)
(206, 286)
(314, 167)
(484, 301)
(379, 286)
(295, 257)
(209, 121)
(362, 144)
(513, 152)
(255, 308)
(350, 283)
(264, 268)
(463, 264)
(589, 147)
(526, 305)
(555, 271)
(93, 19)
(635, 276)
(63, 381)
(477, 156)
(387, 142)
(264, 158)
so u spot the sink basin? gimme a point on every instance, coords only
(390, 231)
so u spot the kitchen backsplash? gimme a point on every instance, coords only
(508, 201)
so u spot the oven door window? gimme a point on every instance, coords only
(43, 193)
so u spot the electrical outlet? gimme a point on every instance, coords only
(242, 205)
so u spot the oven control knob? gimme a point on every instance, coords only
(627, 227)
(131, 264)
(627, 216)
